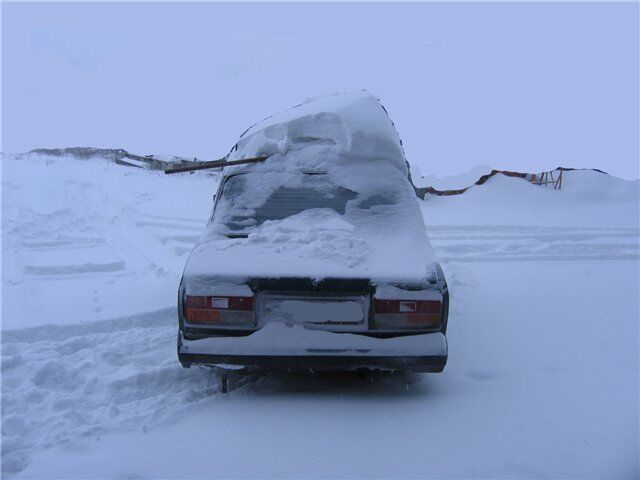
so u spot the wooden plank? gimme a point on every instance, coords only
(214, 164)
(559, 184)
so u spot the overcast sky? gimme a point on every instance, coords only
(517, 86)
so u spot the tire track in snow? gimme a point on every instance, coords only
(61, 383)
(502, 243)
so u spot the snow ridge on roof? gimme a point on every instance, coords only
(351, 126)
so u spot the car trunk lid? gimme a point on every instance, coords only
(333, 304)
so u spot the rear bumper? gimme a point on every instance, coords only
(284, 348)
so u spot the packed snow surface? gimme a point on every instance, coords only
(542, 378)
(332, 200)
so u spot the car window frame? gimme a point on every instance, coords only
(221, 185)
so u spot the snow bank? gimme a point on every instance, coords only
(451, 182)
(588, 199)
(91, 240)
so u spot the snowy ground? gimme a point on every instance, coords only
(542, 379)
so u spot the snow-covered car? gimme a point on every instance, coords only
(318, 257)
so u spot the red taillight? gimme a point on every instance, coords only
(399, 314)
(219, 310)
(220, 303)
(408, 306)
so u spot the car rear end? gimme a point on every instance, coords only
(302, 324)
(318, 257)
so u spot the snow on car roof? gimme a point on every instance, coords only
(352, 125)
(332, 200)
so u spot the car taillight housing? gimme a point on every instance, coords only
(407, 314)
(221, 311)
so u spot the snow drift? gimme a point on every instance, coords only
(602, 199)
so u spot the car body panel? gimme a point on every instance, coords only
(281, 346)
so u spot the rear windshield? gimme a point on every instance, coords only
(250, 199)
